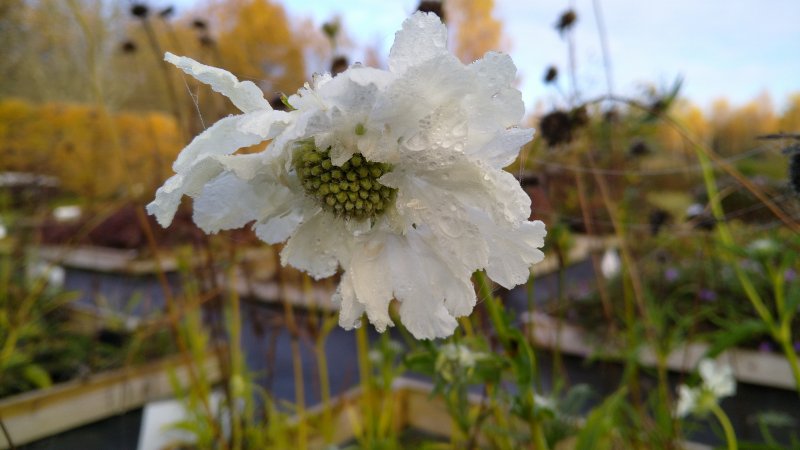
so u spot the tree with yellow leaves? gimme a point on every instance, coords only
(477, 30)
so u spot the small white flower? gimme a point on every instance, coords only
(67, 213)
(3, 231)
(610, 265)
(717, 382)
(393, 175)
(456, 358)
(53, 274)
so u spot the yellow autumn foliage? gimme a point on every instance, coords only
(95, 155)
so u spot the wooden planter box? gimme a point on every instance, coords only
(749, 366)
(113, 260)
(35, 415)
(415, 409)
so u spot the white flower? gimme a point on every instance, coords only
(456, 358)
(610, 265)
(67, 213)
(393, 175)
(717, 382)
(53, 275)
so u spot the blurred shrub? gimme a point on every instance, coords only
(95, 154)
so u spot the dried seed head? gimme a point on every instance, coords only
(128, 47)
(658, 218)
(551, 74)
(556, 128)
(167, 12)
(199, 24)
(339, 65)
(206, 40)
(140, 10)
(566, 21)
(331, 29)
(638, 148)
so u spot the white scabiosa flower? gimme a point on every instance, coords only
(717, 382)
(610, 265)
(393, 175)
(456, 360)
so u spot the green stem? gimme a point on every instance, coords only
(236, 367)
(496, 315)
(493, 307)
(539, 442)
(727, 239)
(364, 372)
(791, 356)
(730, 436)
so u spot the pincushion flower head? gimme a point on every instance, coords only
(393, 175)
(717, 382)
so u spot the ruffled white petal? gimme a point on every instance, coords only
(372, 282)
(245, 95)
(421, 285)
(222, 138)
(503, 148)
(422, 37)
(227, 202)
(317, 246)
(188, 182)
(514, 251)
(350, 309)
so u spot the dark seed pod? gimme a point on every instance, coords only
(140, 10)
(566, 21)
(207, 41)
(550, 75)
(638, 148)
(339, 65)
(331, 29)
(658, 218)
(556, 128)
(199, 24)
(167, 12)
(128, 47)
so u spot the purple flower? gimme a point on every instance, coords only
(707, 295)
(765, 347)
(671, 274)
(797, 346)
(790, 275)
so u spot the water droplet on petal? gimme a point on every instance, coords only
(416, 143)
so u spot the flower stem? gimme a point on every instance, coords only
(730, 436)
(791, 356)
(496, 315)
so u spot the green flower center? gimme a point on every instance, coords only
(351, 190)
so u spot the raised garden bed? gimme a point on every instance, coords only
(38, 414)
(749, 366)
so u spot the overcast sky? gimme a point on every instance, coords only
(722, 48)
